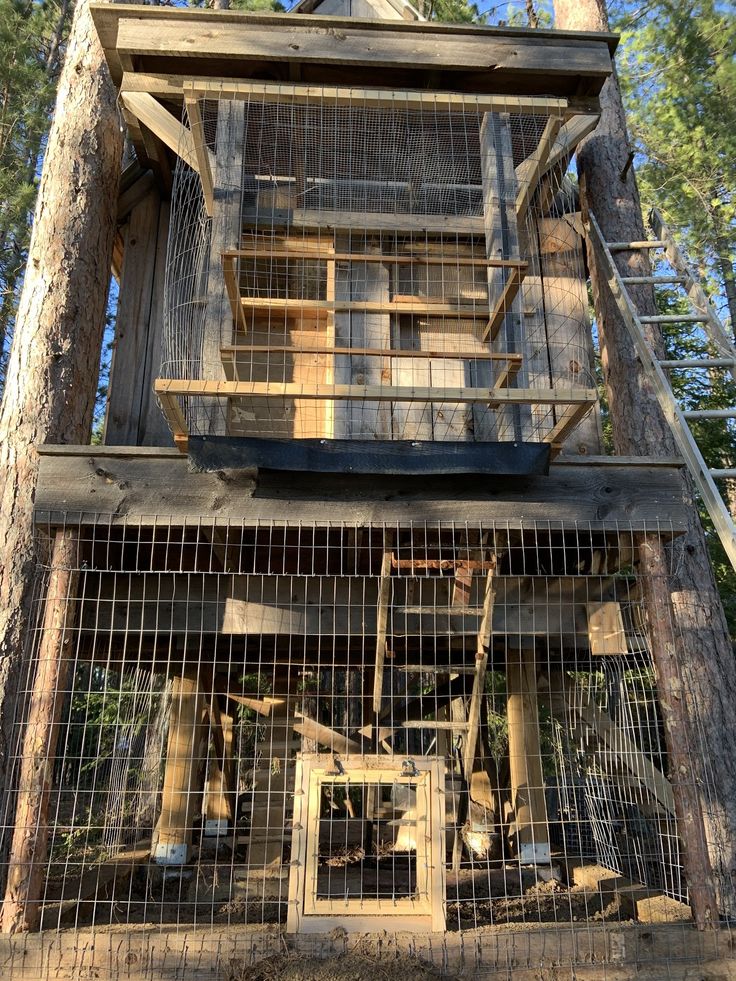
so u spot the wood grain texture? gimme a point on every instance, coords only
(144, 953)
(139, 486)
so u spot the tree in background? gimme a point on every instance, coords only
(32, 37)
(51, 382)
(679, 80)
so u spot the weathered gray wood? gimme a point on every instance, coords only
(133, 415)
(126, 604)
(356, 281)
(127, 32)
(138, 487)
(502, 242)
(225, 230)
(140, 953)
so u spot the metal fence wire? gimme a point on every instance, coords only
(269, 726)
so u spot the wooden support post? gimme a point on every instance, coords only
(362, 319)
(180, 776)
(29, 848)
(384, 600)
(479, 678)
(531, 833)
(678, 730)
(220, 788)
(502, 242)
(225, 234)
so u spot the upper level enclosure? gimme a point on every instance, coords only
(361, 264)
(349, 260)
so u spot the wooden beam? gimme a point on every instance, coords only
(201, 152)
(503, 303)
(134, 485)
(384, 599)
(573, 131)
(606, 628)
(364, 98)
(179, 795)
(479, 679)
(531, 832)
(415, 256)
(624, 747)
(596, 949)
(333, 741)
(362, 221)
(410, 305)
(168, 388)
(165, 126)
(220, 787)
(232, 351)
(282, 40)
(534, 167)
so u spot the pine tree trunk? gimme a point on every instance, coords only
(52, 371)
(639, 428)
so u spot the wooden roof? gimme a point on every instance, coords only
(340, 50)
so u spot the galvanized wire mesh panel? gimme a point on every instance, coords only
(201, 669)
(350, 266)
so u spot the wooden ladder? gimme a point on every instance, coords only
(723, 356)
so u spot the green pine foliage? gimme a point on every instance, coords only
(678, 73)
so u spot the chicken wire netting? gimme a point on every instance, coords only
(273, 728)
(386, 271)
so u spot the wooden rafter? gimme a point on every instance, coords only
(530, 172)
(165, 126)
(201, 152)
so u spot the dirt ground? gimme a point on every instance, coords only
(343, 967)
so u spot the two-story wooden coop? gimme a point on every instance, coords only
(354, 628)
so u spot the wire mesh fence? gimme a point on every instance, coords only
(301, 727)
(353, 264)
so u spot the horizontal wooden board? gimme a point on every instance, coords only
(143, 952)
(355, 44)
(361, 98)
(141, 486)
(170, 88)
(376, 393)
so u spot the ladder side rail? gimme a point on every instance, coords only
(697, 295)
(718, 511)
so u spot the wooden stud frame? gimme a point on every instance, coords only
(425, 911)
(371, 98)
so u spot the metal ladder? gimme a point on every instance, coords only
(721, 345)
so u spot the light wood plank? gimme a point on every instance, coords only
(380, 393)
(359, 44)
(165, 126)
(201, 152)
(396, 99)
(534, 166)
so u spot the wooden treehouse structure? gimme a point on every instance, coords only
(346, 619)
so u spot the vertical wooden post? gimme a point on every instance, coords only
(29, 849)
(502, 242)
(179, 792)
(225, 233)
(677, 729)
(525, 758)
(220, 789)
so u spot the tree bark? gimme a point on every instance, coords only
(639, 428)
(21, 908)
(52, 371)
